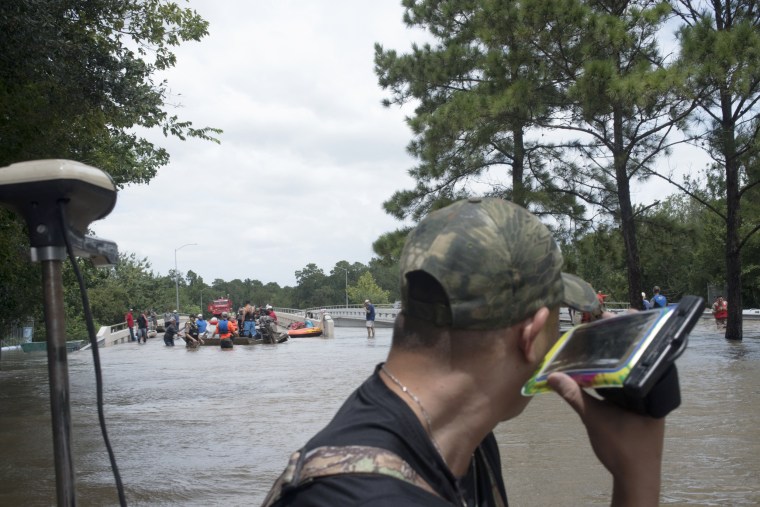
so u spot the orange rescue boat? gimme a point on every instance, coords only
(305, 332)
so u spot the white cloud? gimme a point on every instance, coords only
(308, 154)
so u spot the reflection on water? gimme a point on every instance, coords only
(213, 427)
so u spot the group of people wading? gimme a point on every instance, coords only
(225, 327)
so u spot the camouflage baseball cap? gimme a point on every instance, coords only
(497, 263)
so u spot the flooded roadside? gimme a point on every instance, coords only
(209, 427)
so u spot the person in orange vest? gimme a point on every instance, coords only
(233, 327)
(223, 329)
(720, 311)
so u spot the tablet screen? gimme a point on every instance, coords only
(606, 346)
(601, 353)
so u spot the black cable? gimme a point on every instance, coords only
(95, 354)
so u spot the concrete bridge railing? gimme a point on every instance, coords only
(115, 334)
(112, 335)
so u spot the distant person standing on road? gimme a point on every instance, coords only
(142, 328)
(658, 300)
(130, 324)
(369, 308)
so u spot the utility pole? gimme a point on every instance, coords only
(344, 269)
(176, 272)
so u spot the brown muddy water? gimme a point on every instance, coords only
(213, 427)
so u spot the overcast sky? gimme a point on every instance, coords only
(308, 154)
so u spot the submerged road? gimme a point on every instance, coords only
(212, 427)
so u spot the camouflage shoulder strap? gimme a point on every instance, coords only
(303, 467)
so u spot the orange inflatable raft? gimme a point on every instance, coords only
(305, 332)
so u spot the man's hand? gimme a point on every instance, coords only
(629, 445)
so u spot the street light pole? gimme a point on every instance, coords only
(344, 269)
(176, 272)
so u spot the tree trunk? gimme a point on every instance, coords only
(518, 168)
(627, 224)
(733, 223)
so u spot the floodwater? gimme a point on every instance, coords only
(213, 427)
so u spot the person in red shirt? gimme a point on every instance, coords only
(130, 324)
(601, 297)
(720, 311)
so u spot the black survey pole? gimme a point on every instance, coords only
(58, 371)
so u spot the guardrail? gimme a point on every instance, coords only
(115, 334)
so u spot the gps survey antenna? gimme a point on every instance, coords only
(59, 199)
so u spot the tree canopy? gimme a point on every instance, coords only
(78, 80)
(720, 48)
(563, 106)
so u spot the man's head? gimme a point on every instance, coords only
(366, 302)
(495, 262)
(191, 317)
(200, 315)
(224, 315)
(656, 289)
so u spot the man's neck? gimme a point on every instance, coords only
(460, 414)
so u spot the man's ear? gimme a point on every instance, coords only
(531, 328)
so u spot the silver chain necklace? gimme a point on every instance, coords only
(425, 414)
(422, 409)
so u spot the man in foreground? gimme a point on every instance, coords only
(481, 286)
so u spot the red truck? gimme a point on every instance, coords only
(217, 306)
